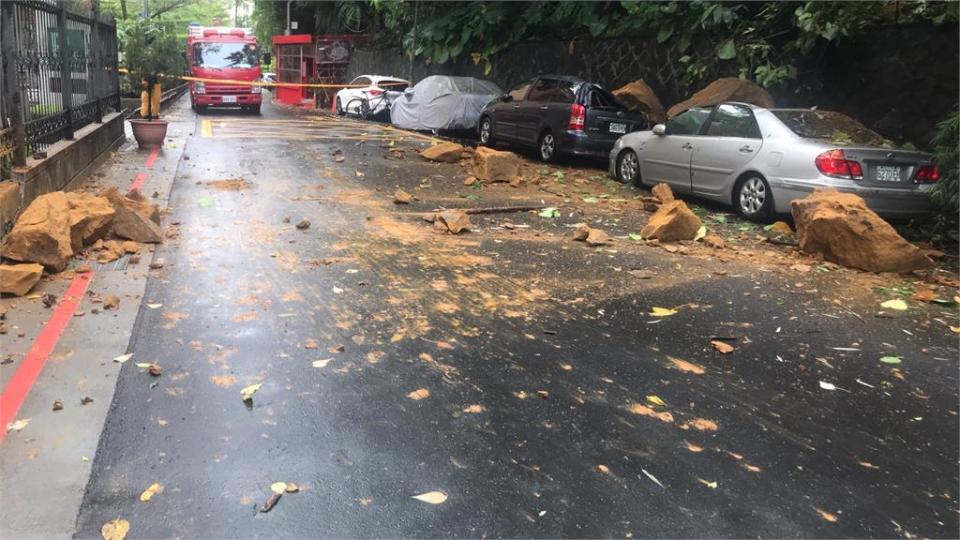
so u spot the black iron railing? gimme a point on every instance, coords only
(59, 75)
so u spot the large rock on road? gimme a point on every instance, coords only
(42, 233)
(841, 228)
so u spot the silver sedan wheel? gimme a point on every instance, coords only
(629, 165)
(753, 195)
(547, 146)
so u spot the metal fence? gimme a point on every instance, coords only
(59, 75)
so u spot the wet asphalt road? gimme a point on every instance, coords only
(537, 425)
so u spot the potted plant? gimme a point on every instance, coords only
(149, 130)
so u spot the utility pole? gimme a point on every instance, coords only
(287, 31)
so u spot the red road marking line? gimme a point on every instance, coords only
(138, 181)
(152, 157)
(19, 386)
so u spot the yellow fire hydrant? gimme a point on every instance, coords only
(150, 98)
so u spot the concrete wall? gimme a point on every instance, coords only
(66, 161)
(899, 80)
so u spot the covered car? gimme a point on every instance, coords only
(440, 102)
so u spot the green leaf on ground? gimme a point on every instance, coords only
(635, 237)
(890, 359)
(896, 304)
(550, 212)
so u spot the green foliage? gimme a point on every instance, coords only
(148, 48)
(946, 154)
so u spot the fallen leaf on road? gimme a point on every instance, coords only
(688, 367)
(722, 347)
(656, 401)
(751, 468)
(116, 529)
(924, 295)
(432, 497)
(662, 312)
(473, 409)
(154, 370)
(652, 477)
(417, 395)
(154, 306)
(604, 469)
(549, 213)
(321, 363)
(278, 487)
(271, 502)
(292, 488)
(897, 304)
(122, 358)
(643, 410)
(310, 344)
(709, 484)
(701, 232)
(248, 392)
(827, 516)
(692, 447)
(111, 302)
(700, 424)
(890, 359)
(151, 491)
(18, 425)
(827, 386)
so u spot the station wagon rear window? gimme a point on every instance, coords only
(832, 126)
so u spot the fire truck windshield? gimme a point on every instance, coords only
(225, 55)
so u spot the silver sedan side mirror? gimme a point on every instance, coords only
(659, 129)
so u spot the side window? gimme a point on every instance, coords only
(733, 121)
(361, 81)
(602, 99)
(688, 122)
(543, 90)
(518, 92)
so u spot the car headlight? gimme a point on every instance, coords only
(256, 89)
(199, 88)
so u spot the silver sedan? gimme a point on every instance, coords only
(758, 160)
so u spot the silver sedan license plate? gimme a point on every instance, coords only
(887, 173)
(618, 128)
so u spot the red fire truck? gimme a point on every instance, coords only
(223, 54)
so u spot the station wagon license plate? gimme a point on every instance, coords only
(887, 173)
(618, 127)
(229, 99)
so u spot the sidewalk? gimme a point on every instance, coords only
(51, 457)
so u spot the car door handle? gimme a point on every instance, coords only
(687, 146)
(746, 149)
(516, 106)
(544, 107)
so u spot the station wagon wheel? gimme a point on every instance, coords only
(548, 147)
(753, 199)
(486, 131)
(628, 167)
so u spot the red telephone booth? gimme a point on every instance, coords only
(295, 64)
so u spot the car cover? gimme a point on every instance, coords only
(440, 102)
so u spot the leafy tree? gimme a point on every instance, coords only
(946, 154)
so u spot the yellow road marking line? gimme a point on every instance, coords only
(206, 129)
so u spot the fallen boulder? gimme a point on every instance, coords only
(18, 279)
(491, 165)
(672, 221)
(452, 221)
(42, 233)
(446, 152)
(402, 197)
(638, 96)
(726, 89)
(593, 237)
(90, 218)
(135, 220)
(662, 192)
(841, 228)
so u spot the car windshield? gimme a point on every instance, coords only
(224, 55)
(832, 126)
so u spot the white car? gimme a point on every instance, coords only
(369, 89)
